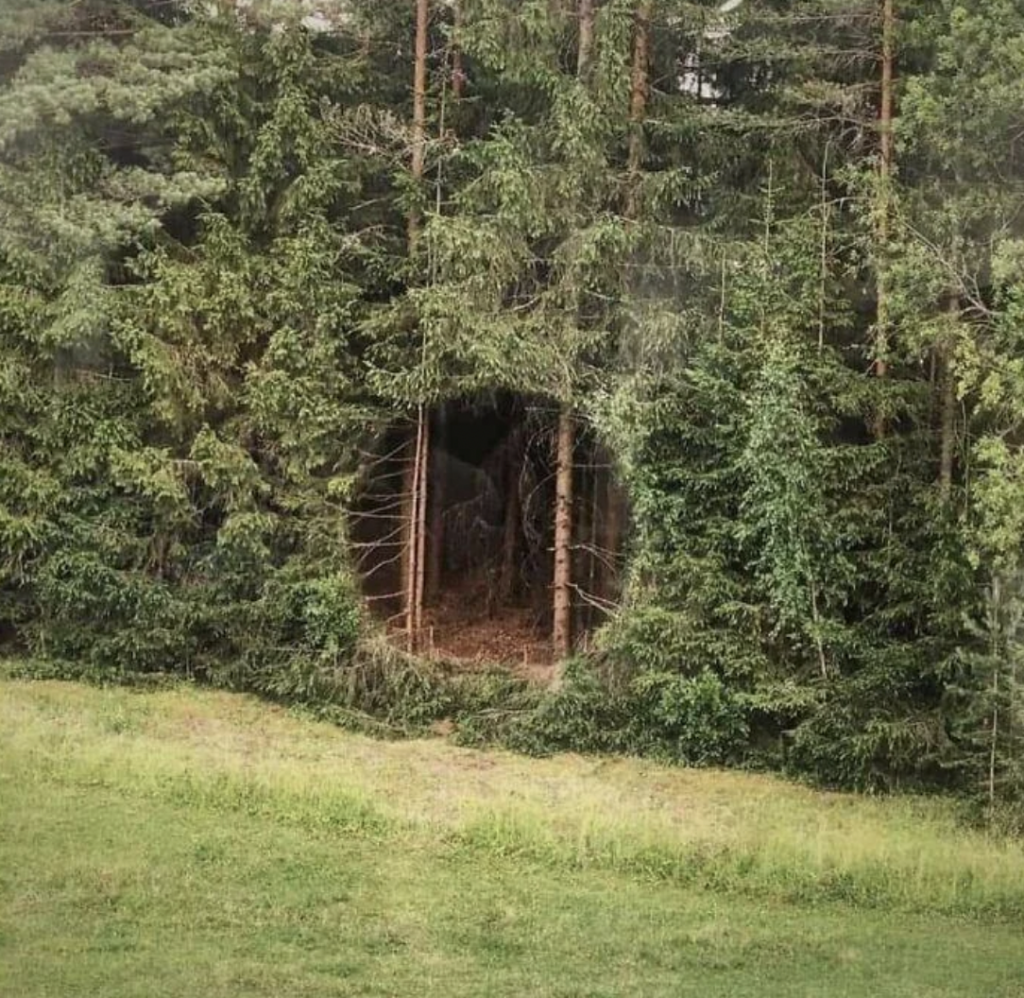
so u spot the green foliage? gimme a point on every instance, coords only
(695, 720)
(209, 300)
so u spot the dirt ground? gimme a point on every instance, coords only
(460, 627)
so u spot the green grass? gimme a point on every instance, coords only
(189, 842)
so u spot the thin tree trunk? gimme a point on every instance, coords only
(458, 73)
(612, 537)
(993, 750)
(887, 104)
(948, 426)
(823, 254)
(414, 529)
(885, 178)
(410, 473)
(594, 535)
(585, 14)
(419, 110)
(416, 476)
(582, 526)
(510, 533)
(423, 471)
(639, 96)
(996, 646)
(948, 431)
(562, 629)
(566, 435)
(639, 88)
(438, 484)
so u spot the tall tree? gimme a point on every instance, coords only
(417, 477)
(564, 449)
(565, 436)
(883, 207)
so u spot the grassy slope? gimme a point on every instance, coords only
(191, 842)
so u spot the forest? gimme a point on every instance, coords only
(633, 376)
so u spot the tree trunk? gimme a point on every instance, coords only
(562, 629)
(414, 528)
(458, 73)
(612, 537)
(438, 483)
(884, 207)
(995, 650)
(948, 428)
(416, 477)
(410, 473)
(566, 435)
(639, 85)
(419, 111)
(510, 533)
(423, 470)
(639, 94)
(594, 563)
(582, 525)
(585, 14)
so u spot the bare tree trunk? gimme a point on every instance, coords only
(594, 563)
(423, 471)
(410, 473)
(419, 110)
(414, 530)
(884, 207)
(582, 526)
(948, 430)
(639, 87)
(562, 628)
(416, 476)
(438, 484)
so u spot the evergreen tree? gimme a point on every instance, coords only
(766, 254)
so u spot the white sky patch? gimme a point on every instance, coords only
(692, 80)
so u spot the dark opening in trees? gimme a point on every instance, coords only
(459, 510)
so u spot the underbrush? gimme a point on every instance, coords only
(385, 692)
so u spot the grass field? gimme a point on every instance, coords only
(189, 842)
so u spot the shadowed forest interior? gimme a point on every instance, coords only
(489, 525)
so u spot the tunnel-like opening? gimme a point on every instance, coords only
(457, 538)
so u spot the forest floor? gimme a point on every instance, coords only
(462, 627)
(191, 842)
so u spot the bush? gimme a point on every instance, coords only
(696, 719)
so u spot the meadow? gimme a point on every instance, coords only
(193, 842)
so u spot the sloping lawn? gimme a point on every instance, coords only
(190, 842)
